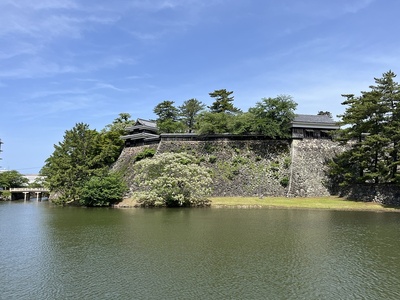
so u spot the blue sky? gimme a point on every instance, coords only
(69, 61)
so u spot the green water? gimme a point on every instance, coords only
(50, 252)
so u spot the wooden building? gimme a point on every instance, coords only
(313, 127)
(143, 132)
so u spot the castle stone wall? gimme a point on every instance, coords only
(386, 194)
(294, 168)
(309, 165)
(240, 167)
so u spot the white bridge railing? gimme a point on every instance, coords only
(28, 190)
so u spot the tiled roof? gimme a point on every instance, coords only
(314, 122)
(140, 136)
(146, 123)
(314, 119)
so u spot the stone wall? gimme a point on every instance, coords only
(386, 194)
(240, 168)
(256, 167)
(309, 165)
(127, 156)
(260, 167)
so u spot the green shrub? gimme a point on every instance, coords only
(102, 191)
(212, 159)
(274, 166)
(5, 194)
(239, 160)
(284, 182)
(287, 162)
(209, 147)
(146, 153)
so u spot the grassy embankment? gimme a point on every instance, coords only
(333, 203)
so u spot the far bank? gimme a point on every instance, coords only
(329, 203)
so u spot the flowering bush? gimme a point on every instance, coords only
(172, 179)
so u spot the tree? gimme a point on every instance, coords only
(188, 112)
(73, 162)
(12, 179)
(172, 179)
(103, 191)
(119, 124)
(371, 123)
(242, 123)
(166, 111)
(273, 116)
(214, 123)
(389, 91)
(110, 138)
(325, 113)
(223, 102)
(168, 117)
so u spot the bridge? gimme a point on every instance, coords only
(28, 191)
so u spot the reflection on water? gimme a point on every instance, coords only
(50, 252)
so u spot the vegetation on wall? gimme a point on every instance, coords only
(172, 179)
(146, 153)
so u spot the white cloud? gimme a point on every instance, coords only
(156, 5)
(103, 85)
(47, 19)
(42, 4)
(323, 9)
(356, 6)
(144, 76)
(41, 68)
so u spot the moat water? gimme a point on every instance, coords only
(49, 252)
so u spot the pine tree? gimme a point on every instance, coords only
(168, 117)
(188, 112)
(223, 102)
(73, 162)
(372, 122)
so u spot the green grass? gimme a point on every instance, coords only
(334, 203)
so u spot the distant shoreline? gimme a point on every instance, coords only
(320, 203)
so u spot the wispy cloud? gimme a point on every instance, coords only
(144, 76)
(322, 9)
(356, 6)
(42, 5)
(40, 68)
(54, 104)
(103, 85)
(156, 5)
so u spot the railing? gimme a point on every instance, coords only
(21, 190)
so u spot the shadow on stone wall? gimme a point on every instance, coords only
(385, 194)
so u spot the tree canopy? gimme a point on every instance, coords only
(188, 112)
(168, 117)
(83, 154)
(223, 102)
(273, 116)
(270, 116)
(12, 179)
(371, 123)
